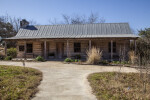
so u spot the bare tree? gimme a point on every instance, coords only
(93, 18)
(32, 22)
(66, 19)
(79, 19)
(54, 22)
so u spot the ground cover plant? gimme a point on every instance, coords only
(128, 86)
(39, 58)
(18, 83)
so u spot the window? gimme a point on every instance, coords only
(21, 48)
(109, 47)
(29, 48)
(77, 47)
(114, 47)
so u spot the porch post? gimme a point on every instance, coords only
(68, 49)
(45, 50)
(89, 44)
(111, 50)
(135, 45)
(124, 54)
(5, 48)
(25, 50)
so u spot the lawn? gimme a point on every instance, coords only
(18, 82)
(122, 86)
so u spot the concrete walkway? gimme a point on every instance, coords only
(66, 81)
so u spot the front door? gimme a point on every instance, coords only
(59, 47)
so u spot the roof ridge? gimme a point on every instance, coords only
(82, 24)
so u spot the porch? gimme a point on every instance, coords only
(62, 48)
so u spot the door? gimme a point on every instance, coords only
(60, 48)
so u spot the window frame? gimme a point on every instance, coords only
(77, 47)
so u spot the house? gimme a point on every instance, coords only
(61, 41)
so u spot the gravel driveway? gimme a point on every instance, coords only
(66, 81)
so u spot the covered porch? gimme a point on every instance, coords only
(62, 48)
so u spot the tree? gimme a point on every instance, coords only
(143, 54)
(79, 19)
(6, 29)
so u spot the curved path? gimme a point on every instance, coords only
(66, 81)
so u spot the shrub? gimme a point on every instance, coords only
(116, 62)
(2, 57)
(94, 56)
(72, 60)
(104, 62)
(39, 58)
(68, 60)
(78, 56)
(8, 58)
(76, 60)
(12, 52)
(124, 62)
(132, 57)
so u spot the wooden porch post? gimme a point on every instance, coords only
(45, 50)
(124, 54)
(68, 49)
(25, 50)
(111, 50)
(89, 44)
(5, 48)
(135, 45)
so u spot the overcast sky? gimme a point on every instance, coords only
(135, 12)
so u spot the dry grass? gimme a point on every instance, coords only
(94, 55)
(18, 83)
(128, 86)
(2, 53)
(132, 57)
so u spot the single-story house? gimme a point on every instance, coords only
(61, 41)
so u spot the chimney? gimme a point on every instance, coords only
(24, 23)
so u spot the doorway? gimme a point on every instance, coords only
(59, 50)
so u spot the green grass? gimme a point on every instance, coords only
(18, 83)
(122, 86)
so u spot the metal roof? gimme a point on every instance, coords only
(98, 30)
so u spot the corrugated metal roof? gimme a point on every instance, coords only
(75, 31)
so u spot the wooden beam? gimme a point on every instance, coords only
(124, 54)
(45, 56)
(25, 50)
(135, 45)
(111, 50)
(68, 55)
(5, 48)
(89, 44)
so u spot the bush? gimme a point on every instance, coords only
(94, 56)
(8, 58)
(12, 52)
(78, 56)
(2, 57)
(76, 60)
(132, 57)
(39, 58)
(104, 62)
(68, 60)
(116, 62)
